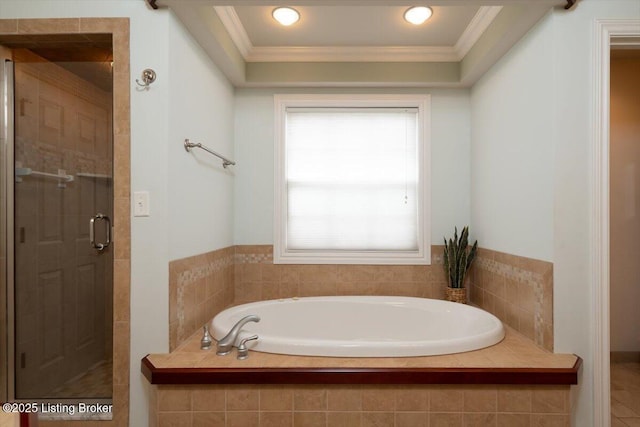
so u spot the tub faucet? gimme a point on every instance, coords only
(225, 345)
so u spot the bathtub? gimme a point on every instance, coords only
(362, 326)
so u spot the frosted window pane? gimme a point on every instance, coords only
(352, 179)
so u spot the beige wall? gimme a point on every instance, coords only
(625, 202)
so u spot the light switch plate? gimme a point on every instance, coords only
(141, 203)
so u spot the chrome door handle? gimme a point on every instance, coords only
(92, 232)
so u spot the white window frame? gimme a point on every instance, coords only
(282, 255)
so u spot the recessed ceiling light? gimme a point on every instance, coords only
(416, 15)
(285, 15)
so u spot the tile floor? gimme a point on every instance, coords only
(625, 394)
(95, 383)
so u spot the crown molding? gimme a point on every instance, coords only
(478, 24)
(352, 54)
(238, 34)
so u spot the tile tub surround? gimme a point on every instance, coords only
(199, 288)
(515, 357)
(517, 290)
(360, 406)
(383, 400)
(258, 278)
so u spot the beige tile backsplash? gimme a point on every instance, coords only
(258, 278)
(199, 287)
(517, 290)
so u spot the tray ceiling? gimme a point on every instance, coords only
(358, 42)
(355, 26)
(355, 33)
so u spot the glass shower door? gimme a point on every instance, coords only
(62, 257)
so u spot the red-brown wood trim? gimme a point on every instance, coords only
(534, 376)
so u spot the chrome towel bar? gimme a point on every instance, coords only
(225, 162)
(61, 176)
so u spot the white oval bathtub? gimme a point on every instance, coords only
(362, 326)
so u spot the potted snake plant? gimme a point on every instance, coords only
(457, 261)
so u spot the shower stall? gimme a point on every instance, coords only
(56, 205)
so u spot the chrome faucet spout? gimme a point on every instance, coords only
(225, 345)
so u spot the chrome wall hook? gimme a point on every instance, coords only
(148, 77)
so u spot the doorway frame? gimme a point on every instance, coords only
(606, 30)
(119, 29)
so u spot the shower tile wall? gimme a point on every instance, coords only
(517, 290)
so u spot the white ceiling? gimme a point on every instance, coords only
(358, 42)
(355, 26)
(355, 33)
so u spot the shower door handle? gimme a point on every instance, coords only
(92, 231)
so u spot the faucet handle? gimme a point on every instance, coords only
(243, 351)
(205, 342)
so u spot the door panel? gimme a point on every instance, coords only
(50, 299)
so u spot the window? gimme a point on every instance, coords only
(351, 182)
